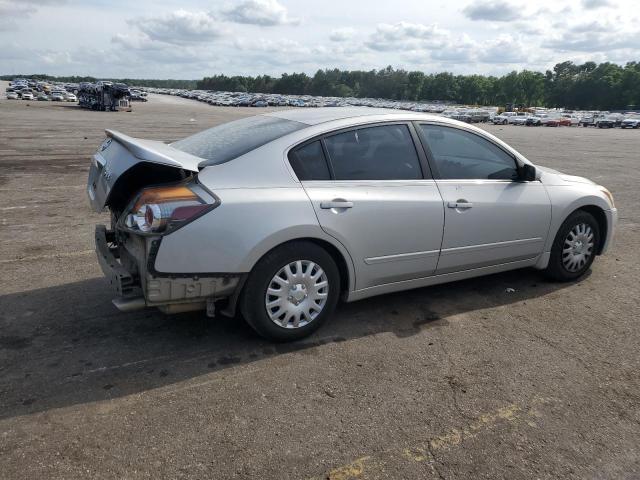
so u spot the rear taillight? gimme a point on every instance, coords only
(160, 210)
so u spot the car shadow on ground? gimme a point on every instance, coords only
(66, 345)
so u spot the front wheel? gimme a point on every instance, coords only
(574, 247)
(291, 291)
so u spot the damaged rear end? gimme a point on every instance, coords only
(151, 190)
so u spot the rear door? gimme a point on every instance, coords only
(371, 189)
(490, 216)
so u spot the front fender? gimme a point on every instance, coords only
(566, 199)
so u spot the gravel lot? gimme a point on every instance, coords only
(457, 381)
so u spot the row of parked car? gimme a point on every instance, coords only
(31, 89)
(560, 119)
(538, 117)
(23, 89)
(54, 96)
(244, 99)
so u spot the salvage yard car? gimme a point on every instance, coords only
(504, 118)
(533, 121)
(284, 213)
(58, 96)
(520, 120)
(605, 122)
(630, 122)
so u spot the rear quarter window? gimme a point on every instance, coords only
(309, 162)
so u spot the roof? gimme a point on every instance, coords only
(315, 116)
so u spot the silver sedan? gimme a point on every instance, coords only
(283, 214)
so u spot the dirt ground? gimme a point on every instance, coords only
(463, 381)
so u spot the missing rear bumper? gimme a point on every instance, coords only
(124, 264)
(121, 280)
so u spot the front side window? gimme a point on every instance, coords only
(384, 152)
(461, 155)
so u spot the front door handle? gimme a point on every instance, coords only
(336, 204)
(460, 204)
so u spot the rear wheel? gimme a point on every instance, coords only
(291, 291)
(574, 247)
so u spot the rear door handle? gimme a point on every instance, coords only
(460, 205)
(336, 204)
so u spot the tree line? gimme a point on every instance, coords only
(604, 86)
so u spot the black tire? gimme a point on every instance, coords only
(252, 302)
(556, 269)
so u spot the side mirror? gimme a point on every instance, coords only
(527, 173)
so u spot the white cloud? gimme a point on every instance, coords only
(180, 27)
(139, 48)
(592, 41)
(605, 34)
(283, 45)
(57, 57)
(405, 36)
(342, 34)
(504, 49)
(593, 4)
(591, 27)
(493, 10)
(265, 13)
(418, 44)
(13, 10)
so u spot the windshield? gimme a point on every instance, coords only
(231, 140)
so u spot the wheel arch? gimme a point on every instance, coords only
(337, 251)
(597, 213)
(341, 262)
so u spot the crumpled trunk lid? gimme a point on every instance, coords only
(118, 167)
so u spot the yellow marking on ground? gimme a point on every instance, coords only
(483, 422)
(416, 454)
(512, 413)
(353, 470)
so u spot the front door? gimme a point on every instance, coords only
(491, 217)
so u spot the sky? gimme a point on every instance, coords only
(190, 39)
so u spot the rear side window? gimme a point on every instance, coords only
(461, 155)
(385, 152)
(309, 162)
(231, 140)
